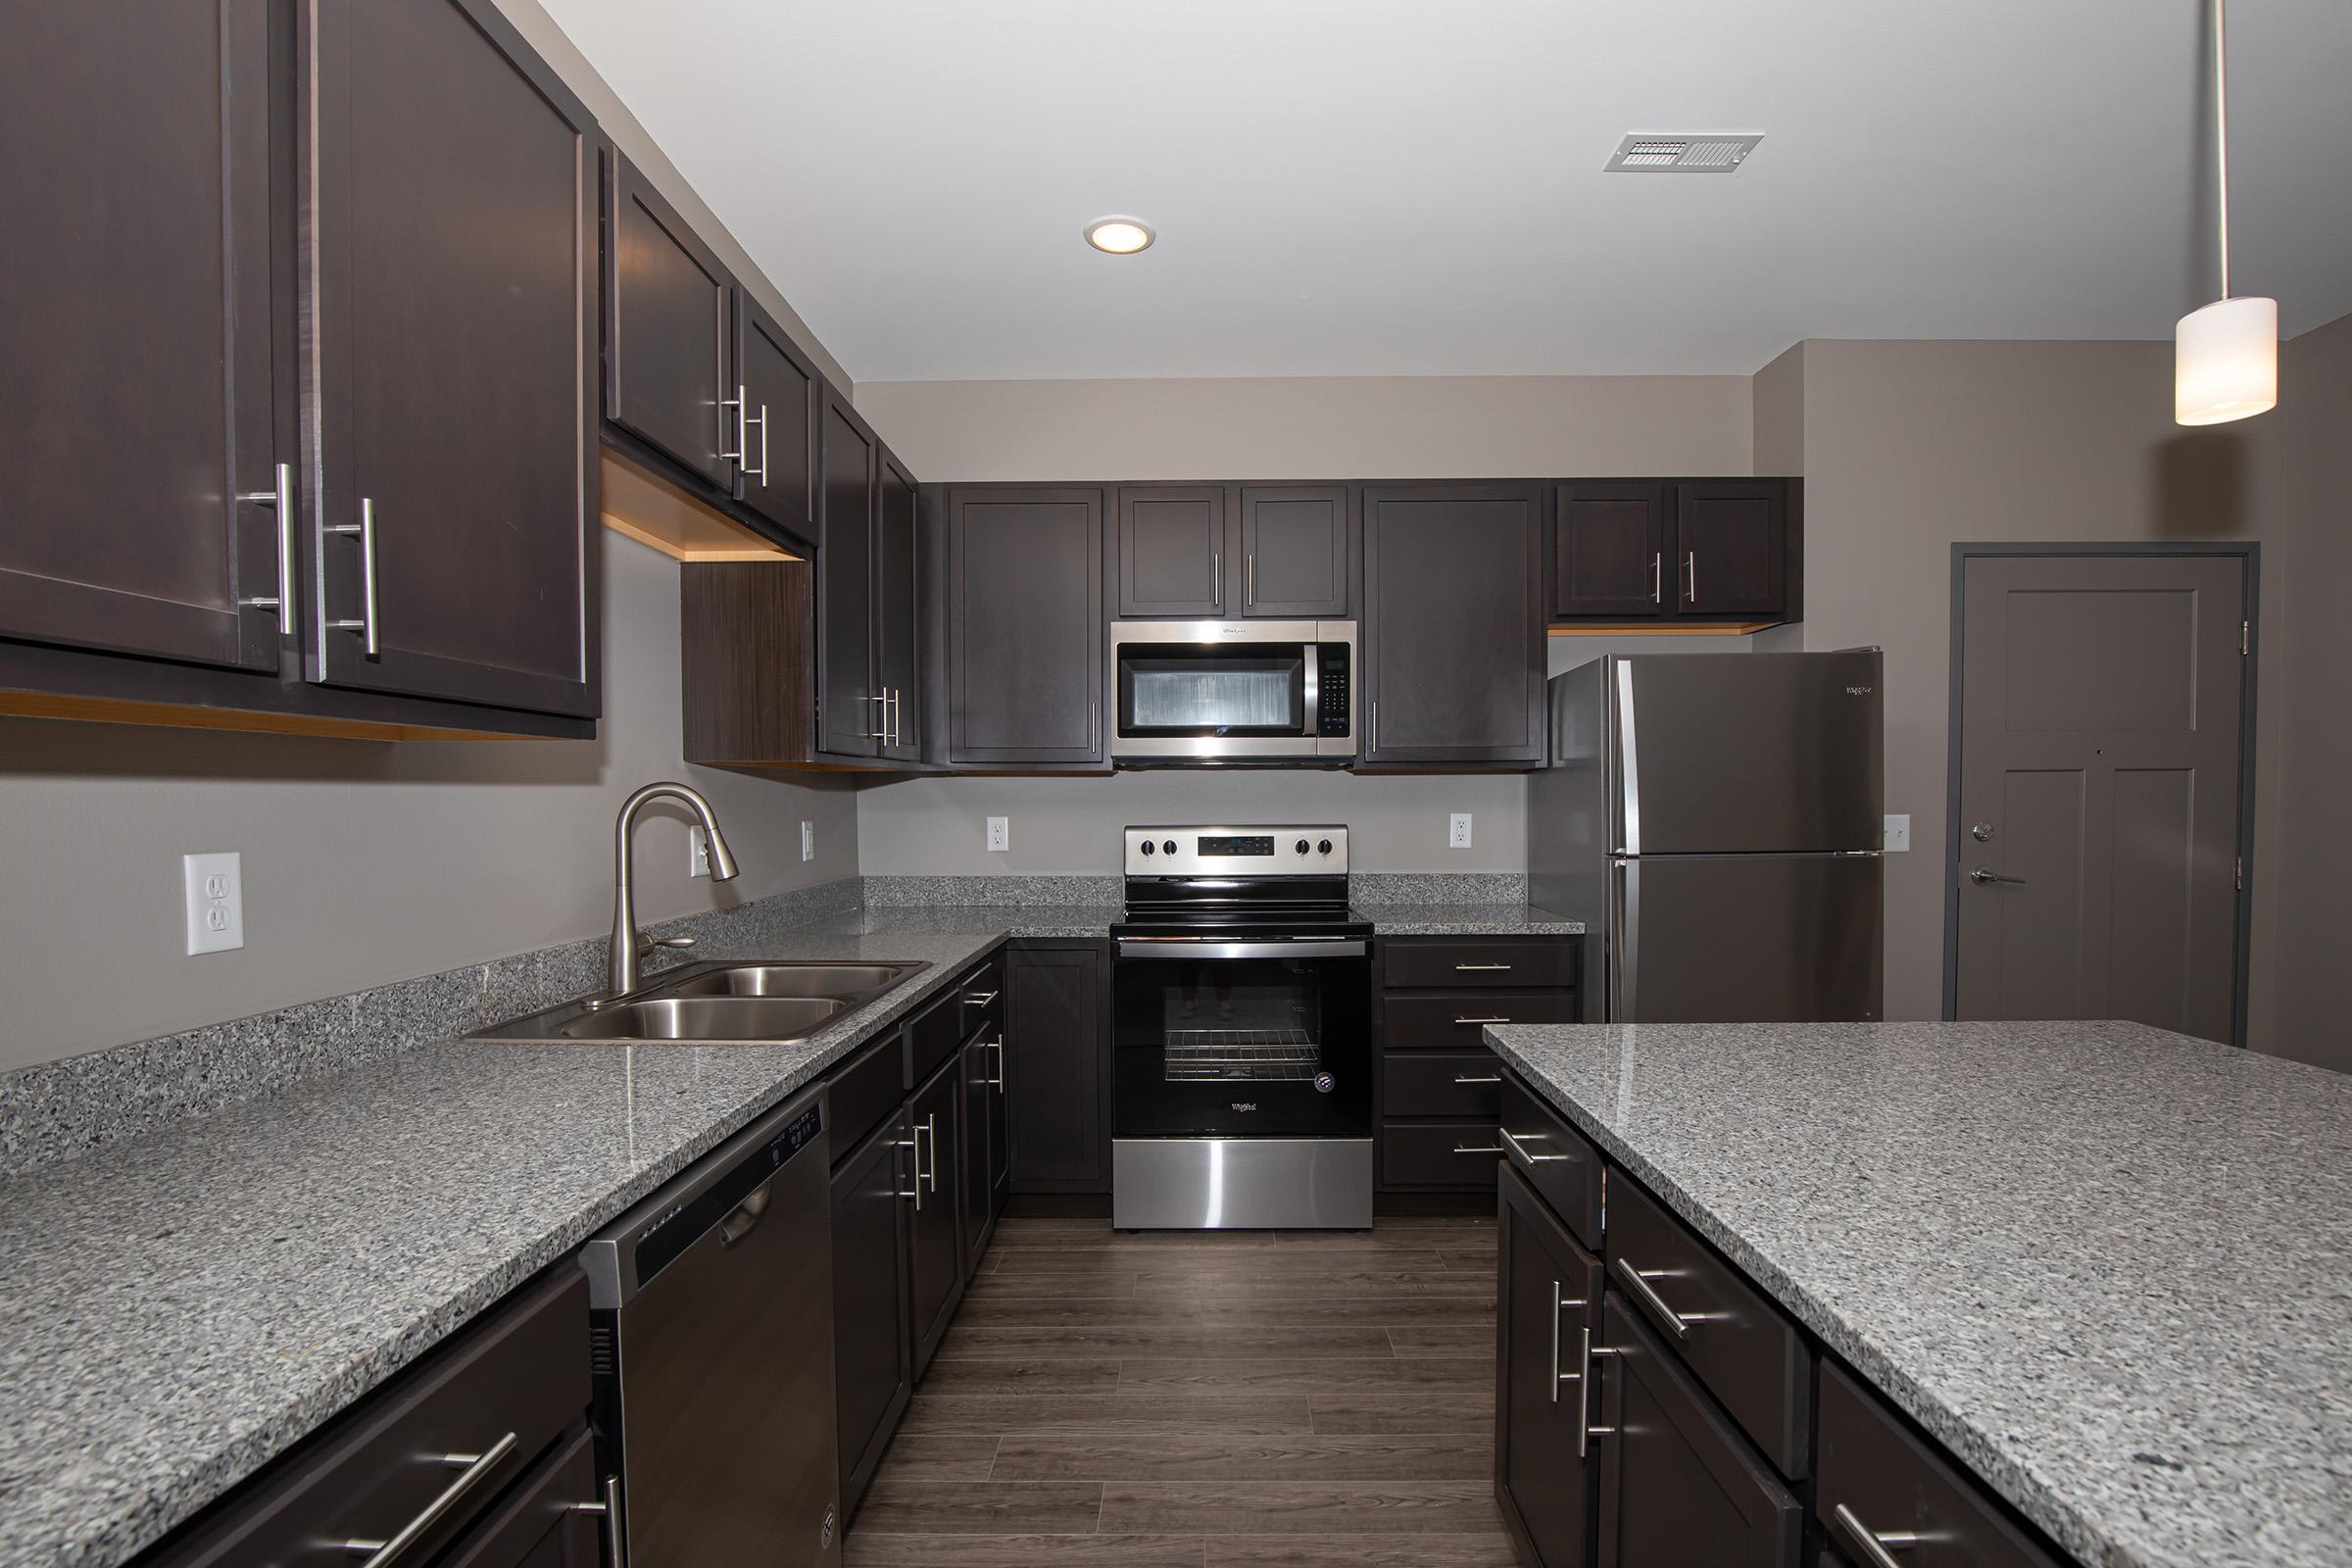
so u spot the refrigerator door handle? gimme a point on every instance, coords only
(1629, 762)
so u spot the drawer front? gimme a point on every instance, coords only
(1749, 1354)
(1465, 1085)
(1878, 1478)
(522, 1370)
(1422, 1153)
(860, 1094)
(1522, 961)
(981, 996)
(973, 1003)
(1554, 1156)
(1457, 1021)
(540, 1525)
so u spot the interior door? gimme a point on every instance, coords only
(135, 303)
(1547, 1317)
(2102, 709)
(849, 706)
(452, 290)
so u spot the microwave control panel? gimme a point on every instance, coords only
(1331, 689)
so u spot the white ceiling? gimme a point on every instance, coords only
(1414, 186)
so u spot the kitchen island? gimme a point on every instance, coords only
(2105, 1268)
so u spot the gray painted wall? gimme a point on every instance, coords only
(363, 862)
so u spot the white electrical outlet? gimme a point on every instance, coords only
(807, 841)
(1458, 836)
(697, 851)
(1000, 834)
(214, 886)
(1898, 835)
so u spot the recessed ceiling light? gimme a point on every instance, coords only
(1121, 236)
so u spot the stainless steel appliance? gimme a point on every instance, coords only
(1242, 1039)
(1226, 691)
(712, 1310)
(1718, 818)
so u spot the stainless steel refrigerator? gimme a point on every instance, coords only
(1715, 822)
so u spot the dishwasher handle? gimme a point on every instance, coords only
(744, 1217)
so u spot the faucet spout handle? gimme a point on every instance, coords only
(669, 942)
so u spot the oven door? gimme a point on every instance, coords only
(1238, 1039)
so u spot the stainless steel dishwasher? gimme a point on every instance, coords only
(712, 1310)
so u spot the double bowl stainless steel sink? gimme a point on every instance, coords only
(754, 1003)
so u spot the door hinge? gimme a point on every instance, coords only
(2246, 637)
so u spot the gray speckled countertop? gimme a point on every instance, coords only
(2110, 1267)
(1465, 920)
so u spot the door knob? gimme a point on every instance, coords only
(1984, 874)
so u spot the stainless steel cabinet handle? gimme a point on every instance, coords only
(1490, 1078)
(1093, 726)
(1372, 742)
(1984, 876)
(1474, 968)
(1557, 1379)
(477, 1468)
(997, 1045)
(1656, 563)
(282, 499)
(1636, 1283)
(1586, 1430)
(1518, 1145)
(931, 1126)
(1250, 582)
(978, 998)
(915, 1141)
(882, 734)
(1877, 1547)
(609, 1510)
(1479, 1149)
(743, 440)
(1216, 577)
(365, 528)
(735, 403)
(1694, 562)
(1482, 1020)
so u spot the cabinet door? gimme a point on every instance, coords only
(1298, 552)
(779, 393)
(135, 303)
(1025, 626)
(539, 1523)
(898, 613)
(981, 1137)
(1454, 627)
(1171, 548)
(666, 330)
(450, 293)
(1678, 1483)
(873, 1370)
(849, 709)
(1609, 550)
(1731, 547)
(1547, 1310)
(1055, 1071)
(935, 1250)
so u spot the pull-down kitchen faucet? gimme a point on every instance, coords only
(620, 976)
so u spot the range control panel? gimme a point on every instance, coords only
(1310, 849)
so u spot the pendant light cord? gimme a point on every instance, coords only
(2221, 127)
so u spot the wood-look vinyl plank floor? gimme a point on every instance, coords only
(1178, 1399)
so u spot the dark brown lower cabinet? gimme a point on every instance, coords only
(1547, 1309)
(873, 1364)
(1877, 1478)
(1056, 1069)
(935, 1255)
(982, 1147)
(1678, 1485)
(541, 1525)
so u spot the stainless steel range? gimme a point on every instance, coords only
(1241, 1038)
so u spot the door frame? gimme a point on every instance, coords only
(2249, 558)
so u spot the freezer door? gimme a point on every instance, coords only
(1722, 754)
(1746, 939)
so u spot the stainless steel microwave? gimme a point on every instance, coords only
(1219, 691)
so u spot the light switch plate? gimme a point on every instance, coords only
(1457, 837)
(1898, 835)
(213, 890)
(697, 851)
(1000, 834)
(807, 841)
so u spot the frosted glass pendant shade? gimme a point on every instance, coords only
(2226, 360)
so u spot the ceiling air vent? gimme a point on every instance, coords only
(1703, 154)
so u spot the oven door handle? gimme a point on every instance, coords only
(1202, 948)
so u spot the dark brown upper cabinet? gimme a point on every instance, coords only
(1171, 550)
(899, 612)
(1298, 552)
(451, 290)
(667, 325)
(1025, 629)
(776, 397)
(851, 704)
(1731, 547)
(1453, 625)
(1609, 550)
(138, 506)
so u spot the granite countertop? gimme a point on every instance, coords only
(1465, 920)
(2108, 1266)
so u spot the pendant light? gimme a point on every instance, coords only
(2225, 355)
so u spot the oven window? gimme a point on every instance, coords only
(1241, 1023)
(1230, 695)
